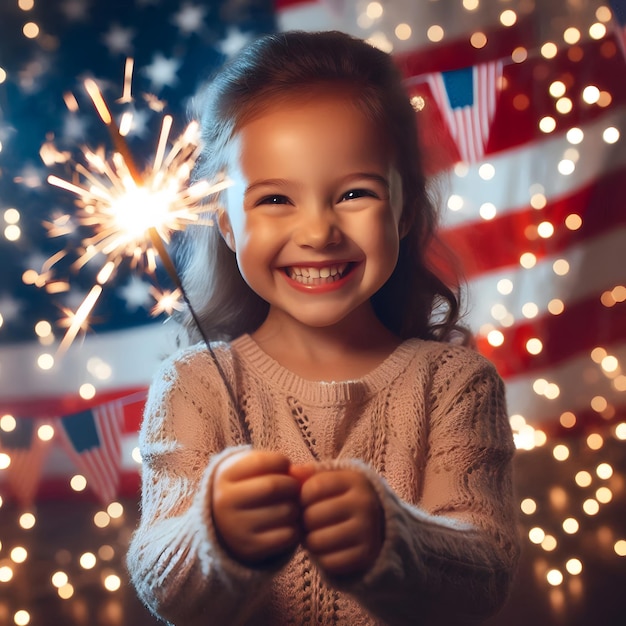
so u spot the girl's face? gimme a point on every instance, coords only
(314, 210)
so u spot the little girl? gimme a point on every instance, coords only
(335, 458)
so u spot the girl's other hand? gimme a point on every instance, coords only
(255, 505)
(343, 521)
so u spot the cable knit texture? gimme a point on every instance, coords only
(429, 429)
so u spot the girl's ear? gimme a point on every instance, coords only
(225, 228)
(404, 226)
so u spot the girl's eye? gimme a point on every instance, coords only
(277, 199)
(353, 194)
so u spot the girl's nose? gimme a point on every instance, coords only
(317, 228)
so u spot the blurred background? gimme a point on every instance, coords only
(522, 113)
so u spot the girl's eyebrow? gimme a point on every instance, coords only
(281, 182)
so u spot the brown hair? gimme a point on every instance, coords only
(415, 301)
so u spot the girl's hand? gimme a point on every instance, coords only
(255, 505)
(343, 521)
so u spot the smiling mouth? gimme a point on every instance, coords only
(318, 275)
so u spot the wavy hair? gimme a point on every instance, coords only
(415, 301)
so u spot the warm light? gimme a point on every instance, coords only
(556, 306)
(549, 50)
(495, 338)
(560, 267)
(435, 33)
(528, 260)
(571, 35)
(591, 94)
(567, 419)
(478, 40)
(566, 167)
(570, 526)
(455, 202)
(21, 618)
(575, 136)
(595, 441)
(87, 391)
(547, 124)
(536, 535)
(508, 17)
(599, 404)
(5, 460)
(101, 519)
(554, 577)
(27, 521)
(19, 554)
(6, 574)
(564, 106)
(87, 560)
(504, 286)
(528, 506)
(66, 591)
(12, 232)
(78, 482)
(549, 543)
(487, 211)
(591, 506)
(545, 230)
(30, 30)
(534, 346)
(115, 510)
(374, 10)
(604, 495)
(611, 135)
(45, 361)
(106, 553)
(486, 171)
(403, 32)
(620, 431)
(26, 5)
(45, 432)
(604, 471)
(8, 423)
(609, 364)
(560, 452)
(597, 31)
(620, 547)
(538, 201)
(112, 582)
(519, 55)
(136, 455)
(583, 478)
(574, 566)
(59, 579)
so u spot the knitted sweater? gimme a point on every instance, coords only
(429, 429)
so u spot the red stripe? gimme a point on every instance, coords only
(59, 406)
(581, 327)
(490, 245)
(281, 5)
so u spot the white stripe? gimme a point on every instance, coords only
(536, 164)
(578, 379)
(133, 356)
(595, 266)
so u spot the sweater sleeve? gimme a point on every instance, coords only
(452, 558)
(175, 560)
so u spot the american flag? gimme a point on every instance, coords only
(522, 112)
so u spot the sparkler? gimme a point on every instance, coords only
(130, 214)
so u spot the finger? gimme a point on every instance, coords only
(264, 491)
(249, 463)
(325, 513)
(345, 562)
(271, 517)
(334, 538)
(268, 544)
(302, 472)
(322, 485)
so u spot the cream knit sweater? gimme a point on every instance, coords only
(428, 427)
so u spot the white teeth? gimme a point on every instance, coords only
(307, 275)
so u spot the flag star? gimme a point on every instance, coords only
(74, 127)
(136, 293)
(76, 10)
(162, 71)
(190, 18)
(9, 308)
(233, 42)
(118, 40)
